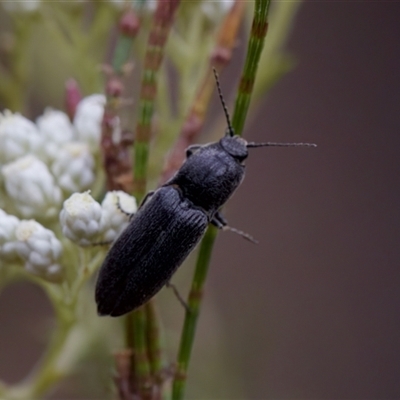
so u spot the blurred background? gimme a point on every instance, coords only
(312, 312)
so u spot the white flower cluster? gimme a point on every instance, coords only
(87, 121)
(8, 226)
(30, 185)
(32, 244)
(85, 222)
(43, 162)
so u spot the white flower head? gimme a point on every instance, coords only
(8, 225)
(74, 167)
(87, 120)
(18, 137)
(30, 185)
(80, 219)
(115, 209)
(40, 249)
(56, 129)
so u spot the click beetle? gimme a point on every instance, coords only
(171, 221)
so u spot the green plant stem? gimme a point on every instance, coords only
(162, 22)
(191, 317)
(140, 356)
(254, 49)
(136, 321)
(154, 338)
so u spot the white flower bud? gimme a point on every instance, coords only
(80, 219)
(87, 120)
(114, 218)
(18, 137)
(40, 249)
(56, 129)
(30, 185)
(73, 167)
(8, 225)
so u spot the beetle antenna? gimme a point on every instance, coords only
(271, 144)
(230, 131)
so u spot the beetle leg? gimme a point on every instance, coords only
(219, 220)
(221, 223)
(178, 296)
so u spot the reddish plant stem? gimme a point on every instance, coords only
(115, 143)
(122, 380)
(116, 157)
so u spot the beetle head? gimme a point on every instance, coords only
(235, 146)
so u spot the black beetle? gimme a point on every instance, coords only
(171, 221)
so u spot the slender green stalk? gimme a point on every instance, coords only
(136, 321)
(141, 365)
(162, 22)
(254, 49)
(194, 303)
(255, 46)
(154, 339)
(117, 165)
